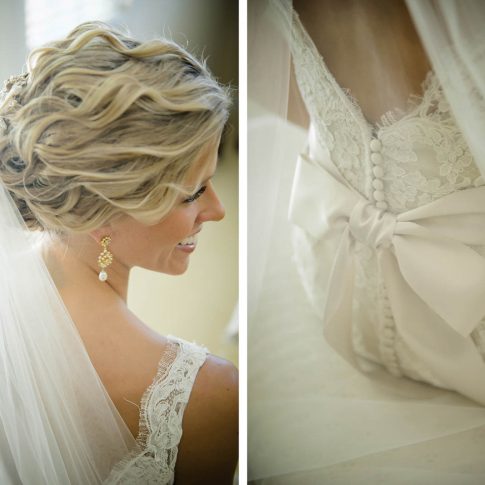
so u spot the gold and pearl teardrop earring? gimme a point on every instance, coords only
(105, 258)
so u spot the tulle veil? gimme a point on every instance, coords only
(58, 424)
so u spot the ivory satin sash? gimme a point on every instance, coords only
(434, 278)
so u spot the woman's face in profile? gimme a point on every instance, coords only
(166, 246)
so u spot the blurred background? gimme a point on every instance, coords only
(200, 305)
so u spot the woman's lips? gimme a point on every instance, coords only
(188, 244)
(186, 248)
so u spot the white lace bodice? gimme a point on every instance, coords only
(407, 160)
(425, 154)
(161, 412)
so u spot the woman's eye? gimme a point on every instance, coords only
(194, 197)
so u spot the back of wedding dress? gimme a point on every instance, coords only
(333, 424)
(407, 161)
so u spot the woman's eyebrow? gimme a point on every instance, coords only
(208, 178)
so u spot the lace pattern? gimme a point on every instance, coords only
(161, 412)
(424, 158)
(427, 127)
(338, 127)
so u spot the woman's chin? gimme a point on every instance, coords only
(176, 264)
(177, 267)
(179, 271)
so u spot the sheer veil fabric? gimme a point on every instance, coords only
(452, 33)
(57, 422)
(313, 417)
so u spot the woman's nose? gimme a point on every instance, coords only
(213, 210)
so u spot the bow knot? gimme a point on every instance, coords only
(371, 226)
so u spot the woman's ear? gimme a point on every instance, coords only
(98, 234)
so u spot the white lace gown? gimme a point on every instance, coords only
(388, 241)
(161, 412)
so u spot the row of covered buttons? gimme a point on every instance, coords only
(378, 171)
(388, 341)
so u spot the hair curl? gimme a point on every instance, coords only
(103, 125)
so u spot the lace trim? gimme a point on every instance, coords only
(161, 411)
(415, 104)
(337, 125)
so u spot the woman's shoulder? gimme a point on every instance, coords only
(188, 407)
(209, 446)
(170, 385)
(190, 412)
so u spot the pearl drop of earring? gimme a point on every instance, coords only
(103, 276)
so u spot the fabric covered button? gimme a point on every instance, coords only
(388, 313)
(378, 184)
(378, 171)
(387, 350)
(376, 158)
(375, 145)
(388, 333)
(378, 195)
(394, 370)
(382, 204)
(392, 359)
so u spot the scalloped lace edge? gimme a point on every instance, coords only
(173, 358)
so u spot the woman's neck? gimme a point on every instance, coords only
(73, 264)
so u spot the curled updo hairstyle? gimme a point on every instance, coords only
(102, 125)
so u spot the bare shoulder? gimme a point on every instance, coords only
(208, 449)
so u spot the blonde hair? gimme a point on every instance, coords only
(103, 125)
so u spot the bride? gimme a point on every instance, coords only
(375, 215)
(107, 151)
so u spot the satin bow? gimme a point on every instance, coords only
(434, 278)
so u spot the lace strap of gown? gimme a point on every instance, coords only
(161, 412)
(332, 110)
